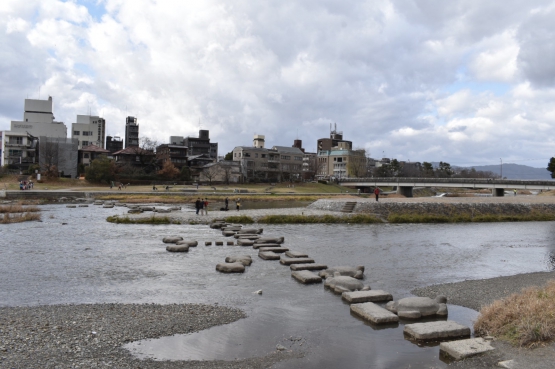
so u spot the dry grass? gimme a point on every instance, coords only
(18, 208)
(524, 319)
(18, 217)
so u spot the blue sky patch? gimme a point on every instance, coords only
(96, 8)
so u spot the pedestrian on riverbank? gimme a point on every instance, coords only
(515, 191)
(238, 204)
(197, 205)
(201, 206)
(206, 206)
(377, 193)
(226, 204)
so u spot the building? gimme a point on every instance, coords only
(335, 140)
(177, 154)
(131, 132)
(200, 145)
(89, 130)
(221, 172)
(38, 120)
(88, 153)
(18, 150)
(277, 164)
(60, 154)
(136, 157)
(114, 144)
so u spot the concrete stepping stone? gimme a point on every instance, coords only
(358, 297)
(259, 245)
(433, 331)
(162, 210)
(418, 307)
(251, 230)
(188, 243)
(177, 248)
(172, 239)
(107, 206)
(242, 242)
(271, 240)
(373, 313)
(306, 277)
(83, 206)
(296, 254)
(71, 206)
(219, 243)
(247, 236)
(230, 243)
(243, 259)
(268, 255)
(233, 229)
(228, 233)
(230, 268)
(147, 208)
(308, 266)
(208, 243)
(277, 250)
(346, 271)
(289, 261)
(463, 349)
(340, 284)
(134, 211)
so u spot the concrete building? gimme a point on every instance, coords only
(88, 153)
(18, 150)
(38, 120)
(177, 154)
(114, 144)
(335, 140)
(277, 164)
(89, 130)
(58, 153)
(131, 132)
(221, 172)
(200, 145)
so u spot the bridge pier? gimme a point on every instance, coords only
(405, 191)
(498, 192)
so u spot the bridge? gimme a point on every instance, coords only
(405, 185)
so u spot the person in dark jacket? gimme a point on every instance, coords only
(197, 205)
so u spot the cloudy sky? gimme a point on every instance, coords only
(469, 82)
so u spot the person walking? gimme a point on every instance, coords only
(226, 204)
(515, 191)
(197, 205)
(377, 193)
(238, 204)
(201, 206)
(206, 206)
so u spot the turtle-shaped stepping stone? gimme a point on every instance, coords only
(340, 284)
(172, 239)
(418, 307)
(243, 259)
(346, 271)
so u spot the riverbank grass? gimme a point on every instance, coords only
(315, 219)
(16, 213)
(524, 319)
(150, 220)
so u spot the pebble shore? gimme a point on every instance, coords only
(91, 336)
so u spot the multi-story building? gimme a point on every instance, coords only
(337, 159)
(18, 150)
(177, 154)
(114, 144)
(269, 165)
(38, 120)
(131, 132)
(89, 130)
(58, 153)
(335, 140)
(200, 145)
(88, 153)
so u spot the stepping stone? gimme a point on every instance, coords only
(242, 242)
(268, 255)
(306, 277)
(373, 313)
(172, 239)
(277, 250)
(308, 266)
(296, 254)
(219, 243)
(257, 246)
(230, 268)
(357, 297)
(163, 210)
(347, 271)
(83, 206)
(208, 243)
(188, 243)
(107, 206)
(71, 206)
(251, 230)
(243, 259)
(289, 261)
(270, 240)
(228, 233)
(247, 236)
(463, 349)
(436, 330)
(230, 243)
(177, 248)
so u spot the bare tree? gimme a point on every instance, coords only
(357, 166)
(209, 173)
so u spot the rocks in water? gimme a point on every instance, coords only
(312, 266)
(218, 224)
(340, 284)
(242, 242)
(172, 239)
(83, 206)
(347, 271)
(162, 210)
(188, 243)
(175, 208)
(134, 211)
(71, 206)
(259, 245)
(250, 230)
(296, 254)
(108, 206)
(277, 250)
(306, 277)
(268, 255)
(434, 331)
(228, 233)
(99, 202)
(147, 208)
(418, 307)
(252, 237)
(278, 240)
(208, 243)
(289, 261)
(373, 313)
(243, 259)
(230, 243)
(358, 297)
(177, 248)
(233, 229)
(230, 268)
(462, 349)
(219, 243)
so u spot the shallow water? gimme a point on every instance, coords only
(91, 261)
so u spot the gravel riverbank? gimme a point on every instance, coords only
(91, 336)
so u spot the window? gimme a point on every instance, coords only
(298, 158)
(137, 158)
(286, 157)
(247, 155)
(256, 155)
(86, 155)
(263, 156)
(76, 133)
(17, 153)
(16, 140)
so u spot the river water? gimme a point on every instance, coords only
(87, 260)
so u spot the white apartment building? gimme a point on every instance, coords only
(38, 120)
(89, 130)
(17, 149)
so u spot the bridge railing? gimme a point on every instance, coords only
(401, 180)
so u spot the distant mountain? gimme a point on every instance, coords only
(517, 171)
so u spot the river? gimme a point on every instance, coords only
(88, 260)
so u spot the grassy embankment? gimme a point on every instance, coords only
(150, 220)
(18, 213)
(525, 319)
